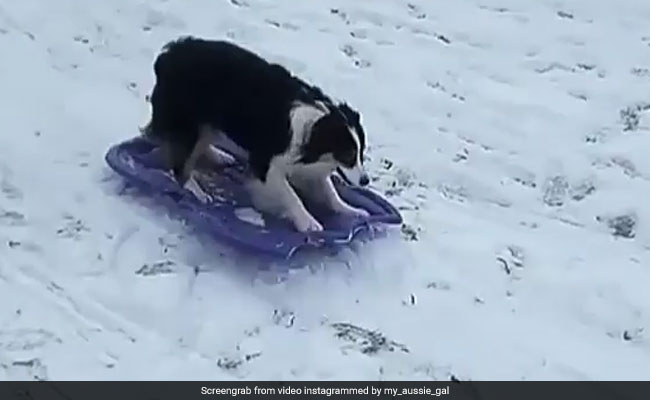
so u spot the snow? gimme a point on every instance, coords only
(511, 133)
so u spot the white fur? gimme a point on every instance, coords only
(219, 157)
(314, 183)
(302, 118)
(230, 146)
(193, 186)
(276, 195)
(206, 136)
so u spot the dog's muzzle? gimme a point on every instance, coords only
(354, 176)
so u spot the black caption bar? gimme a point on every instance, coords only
(324, 390)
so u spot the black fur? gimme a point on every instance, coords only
(219, 84)
(328, 137)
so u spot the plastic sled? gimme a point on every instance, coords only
(230, 218)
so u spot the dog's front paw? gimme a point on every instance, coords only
(307, 223)
(204, 198)
(353, 211)
(198, 192)
(359, 212)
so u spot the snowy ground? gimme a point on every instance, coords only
(512, 134)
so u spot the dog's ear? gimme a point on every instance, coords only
(354, 119)
(351, 115)
(328, 124)
(323, 138)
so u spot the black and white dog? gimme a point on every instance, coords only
(292, 134)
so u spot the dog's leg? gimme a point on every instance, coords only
(186, 174)
(335, 202)
(276, 196)
(218, 157)
(294, 209)
(193, 186)
(321, 190)
(215, 155)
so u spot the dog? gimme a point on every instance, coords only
(293, 136)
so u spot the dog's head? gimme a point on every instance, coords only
(337, 140)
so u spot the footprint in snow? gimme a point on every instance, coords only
(341, 14)
(73, 229)
(512, 259)
(282, 25)
(19, 340)
(239, 3)
(12, 218)
(555, 191)
(364, 340)
(28, 369)
(10, 191)
(620, 225)
(157, 268)
(415, 12)
(350, 52)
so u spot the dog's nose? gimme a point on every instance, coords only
(364, 180)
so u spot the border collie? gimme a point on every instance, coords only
(293, 136)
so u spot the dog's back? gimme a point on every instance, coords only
(222, 85)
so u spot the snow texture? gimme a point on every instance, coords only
(511, 134)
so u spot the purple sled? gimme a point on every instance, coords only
(275, 238)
